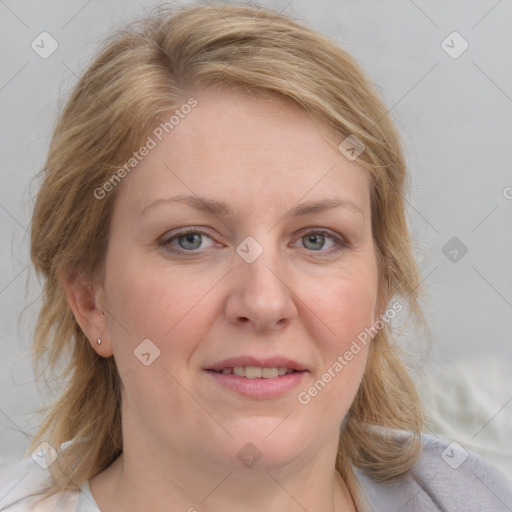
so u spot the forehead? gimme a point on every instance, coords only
(246, 151)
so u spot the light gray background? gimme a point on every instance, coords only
(456, 119)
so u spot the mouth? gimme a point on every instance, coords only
(256, 372)
(257, 378)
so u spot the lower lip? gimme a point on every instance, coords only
(259, 388)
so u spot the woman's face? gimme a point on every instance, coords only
(241, 248)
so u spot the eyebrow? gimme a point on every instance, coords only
(223, 210)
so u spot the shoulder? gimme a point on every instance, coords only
(445, 477)
(458, 478)
(22, 485)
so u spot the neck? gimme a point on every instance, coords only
(140, 480)
(154, 473)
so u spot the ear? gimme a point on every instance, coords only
(86, 300)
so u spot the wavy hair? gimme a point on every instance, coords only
(143, 72)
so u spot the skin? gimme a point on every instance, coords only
(300, 299)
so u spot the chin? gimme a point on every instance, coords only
(267, 443)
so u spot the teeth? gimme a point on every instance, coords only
(269, 373)
(255, 372)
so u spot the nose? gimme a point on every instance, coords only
(261, 297)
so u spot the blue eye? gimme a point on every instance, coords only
(192, 241)
(188, 241)
(316, 241)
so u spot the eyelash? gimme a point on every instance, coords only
(339, 241)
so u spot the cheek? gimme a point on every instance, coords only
(356, 306)
(345, 306)
(156, 303)
(150, 302)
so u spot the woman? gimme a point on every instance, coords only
(222, 235)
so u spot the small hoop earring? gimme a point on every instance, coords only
(99, 341)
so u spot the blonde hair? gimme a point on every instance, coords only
(144, 71)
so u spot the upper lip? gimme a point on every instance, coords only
(271, 362)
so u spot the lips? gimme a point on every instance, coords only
(252, 367)
(255, 378)
(256, 372)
